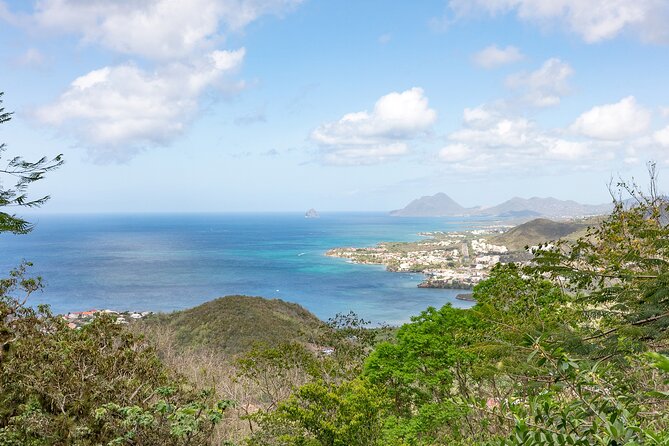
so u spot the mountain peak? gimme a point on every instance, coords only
(437, 205)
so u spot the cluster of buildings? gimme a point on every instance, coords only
(399, 261)
(448, 260)
(78, 319)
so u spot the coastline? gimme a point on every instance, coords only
(456, 260)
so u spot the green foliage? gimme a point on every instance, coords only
(164, 422)
(567, 350)
(95, 385)
(421, 365)
(604, 407)
(321, 414)
(21, 173)
(233, 324)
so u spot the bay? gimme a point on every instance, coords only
(167, 262)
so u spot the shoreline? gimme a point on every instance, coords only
(456, 260)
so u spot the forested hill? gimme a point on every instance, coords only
(232, 324)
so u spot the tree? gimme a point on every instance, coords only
(20, 173)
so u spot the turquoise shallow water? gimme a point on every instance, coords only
(171, 262)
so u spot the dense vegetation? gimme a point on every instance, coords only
(233, 324)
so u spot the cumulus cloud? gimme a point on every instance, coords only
(592, 20)
(455, 152)
(376, 136)
(116, 110)
(490, 140)
(172, 60)
(545, 86)
(493, 57)
(661, 137)
(156, 29)
(618, 121)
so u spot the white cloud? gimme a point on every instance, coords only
(493, 57)
(455, 152)
(491, 141)
(618, 121)
(561, 149)
(364, 137)
(117, 110)
(503, 132)
(592, 20)
(157, 29)
(545, 86)
(661, 137)
(150, 99)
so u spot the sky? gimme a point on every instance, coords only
(285, 105)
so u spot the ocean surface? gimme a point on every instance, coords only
(161, 262)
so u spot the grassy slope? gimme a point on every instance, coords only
(232, 324)
(541, 230)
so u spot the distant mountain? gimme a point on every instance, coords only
(441, 205)
(547, 207)
(537, 231)
(437, 205)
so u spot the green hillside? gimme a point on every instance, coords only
(539, 230)
(232, 324)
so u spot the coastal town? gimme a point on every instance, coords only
(76, 320)
(456, 260)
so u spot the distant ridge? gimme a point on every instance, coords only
(441, 205)
(547, 207)
(437, 205)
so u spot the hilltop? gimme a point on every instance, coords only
(437, 205)
(232, 324)
(537, 231)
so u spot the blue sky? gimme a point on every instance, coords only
(283, 105)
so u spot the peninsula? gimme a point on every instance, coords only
(460, 260)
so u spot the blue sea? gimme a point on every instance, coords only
(161, 262)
